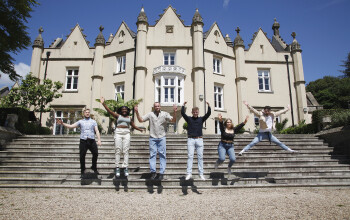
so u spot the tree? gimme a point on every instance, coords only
(114, 105)
(347, 67)
(13, 34)
(33, 96)
(331, 92)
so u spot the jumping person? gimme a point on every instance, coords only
(88, 128)
(195, 138)
(226, 144)
(157, 140)
(266, 123)
(121, 136)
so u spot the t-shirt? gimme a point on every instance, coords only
(269, 123)
(195, 125)
(157, 124)
(87, 128)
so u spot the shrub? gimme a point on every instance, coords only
(339, 116)
(185, 126)
(241, 131)
(34, 128)
(281, 126)
(301, 128)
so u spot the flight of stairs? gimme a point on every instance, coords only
(53, 162)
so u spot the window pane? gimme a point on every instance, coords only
(219, 89)
(261, 86)
(166, 94)
(172, 91)
(214, 69)
(179, 82)
(122, 88)
(122, 95)
(166, 81)
(166, 59)
(218, 66)
(69, 72)
(172, 82)
(259, 73)
(76, 72)
(267, 86)
(159, 94)
(58, 114)
(179, 95)
(172, 59)
(69, 83)
(219, 101)
(215, 100)
(75, 83)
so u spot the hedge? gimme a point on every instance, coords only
(339, 117)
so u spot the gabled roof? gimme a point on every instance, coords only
(254, 36)
(206, 34)
(165, 10)
(81, 31)
(132, 34)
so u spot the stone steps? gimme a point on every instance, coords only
(47, 161)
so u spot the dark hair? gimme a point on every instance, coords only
(267, 107)
(119, 111)
(225, 123)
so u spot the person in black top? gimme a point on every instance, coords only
(226, 144)
(195, 138)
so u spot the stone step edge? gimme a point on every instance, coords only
(302, 185)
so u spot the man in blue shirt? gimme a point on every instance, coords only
(88, 128)
(195, 138)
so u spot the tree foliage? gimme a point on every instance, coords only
(33, 96)
(114, 105)
(347, 67)
(13, 34)
(331, 92)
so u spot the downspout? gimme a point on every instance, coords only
(205, 98)
(133, 83)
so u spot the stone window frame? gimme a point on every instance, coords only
(73, 77)
(218, 93)
(217, 65)
(263, 79)
(121, 64)
(119, 88)
(160, 86)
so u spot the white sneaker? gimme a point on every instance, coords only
(229, 170)
(188, 176)
(240, 153)
(293, 151)
(201, 176)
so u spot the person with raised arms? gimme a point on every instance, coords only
(195, 139)
(158, 121)
(121, 135)
(267, 125)
(88, 129)
(226, 146)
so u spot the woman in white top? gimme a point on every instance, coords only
(266, 123)
(121, 135)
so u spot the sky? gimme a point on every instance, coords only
(322, 26)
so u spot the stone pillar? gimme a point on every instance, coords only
(140, 62)
(241, 78)
(38, 48)
(198, 62)
(299, 82)
(97, 70)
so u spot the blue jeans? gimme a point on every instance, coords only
(262, 136)
(157, 144)
(224, 148)
(195, 143)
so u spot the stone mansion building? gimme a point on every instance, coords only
(171, 62)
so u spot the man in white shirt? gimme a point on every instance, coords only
(266, 123)
(158, 121)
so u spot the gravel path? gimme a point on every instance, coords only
(287, 203)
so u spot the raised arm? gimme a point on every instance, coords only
(282, 111)
(206, 116)
(256, 112)
(221, 124)
(107, 109)
(183, 112)
(174, 115)
(98, 136)
(238, 127)
(135, 127)
(60, 122)
(136, 109)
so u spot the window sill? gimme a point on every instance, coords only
(220, 110)
(219, 74)
(115, 73)
(70, 91)
(264, 91)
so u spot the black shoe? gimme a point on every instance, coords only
(153, 176)
(96, 171)
(161, 177)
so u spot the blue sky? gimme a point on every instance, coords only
(322, 26)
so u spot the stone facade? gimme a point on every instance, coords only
(171, 62)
